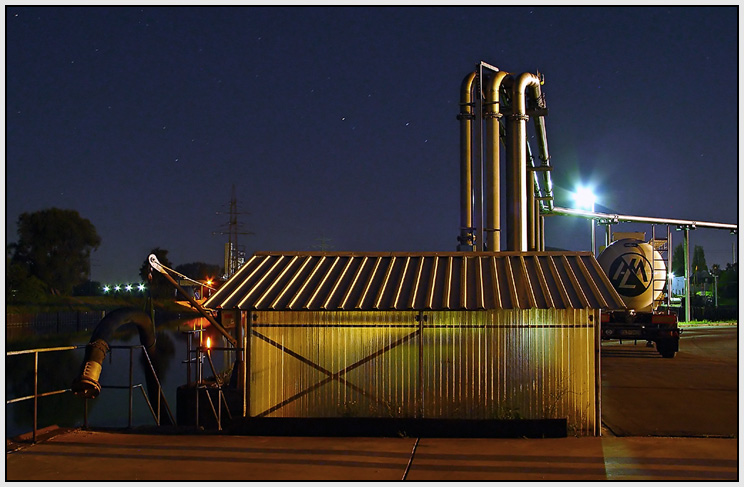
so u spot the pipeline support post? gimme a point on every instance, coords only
(687, 273)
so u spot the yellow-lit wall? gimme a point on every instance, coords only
(490, 364)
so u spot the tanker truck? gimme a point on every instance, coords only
(638, 273)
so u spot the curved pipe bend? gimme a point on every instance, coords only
(492, 110)
(86, 384)
(466, 116)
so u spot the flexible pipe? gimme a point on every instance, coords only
(86, 384)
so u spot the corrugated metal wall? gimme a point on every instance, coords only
(487, 364)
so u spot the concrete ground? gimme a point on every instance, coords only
(695, 394)
(98, 455)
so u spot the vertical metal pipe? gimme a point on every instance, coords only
(598, 373)
(594, 235)
(197, 379)
(36, 394)
(247, 365)
(516, 187)
(131, 382)
(687, 274)
(536, 224)
(608, 235)
(188, 359)
(478, 218)
(420, 388)
(542, 233)
(240, 352)
(530, 212)
(669, 266)
(492, 114)
(466, 154)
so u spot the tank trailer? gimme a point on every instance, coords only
(638, 273)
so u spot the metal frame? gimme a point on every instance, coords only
(200, 352)
(338, 376)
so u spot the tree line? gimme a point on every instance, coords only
(52, 257)
(727, 278)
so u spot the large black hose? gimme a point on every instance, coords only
(86, 384)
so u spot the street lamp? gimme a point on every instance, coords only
(584, 198)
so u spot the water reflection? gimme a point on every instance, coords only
(57, 370)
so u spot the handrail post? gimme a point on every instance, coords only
(131, 381)
(36, 393)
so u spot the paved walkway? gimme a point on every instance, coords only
(96, 455)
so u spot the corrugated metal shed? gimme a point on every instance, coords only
(346, 281)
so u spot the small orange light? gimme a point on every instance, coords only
(209, 282)
(209, 343)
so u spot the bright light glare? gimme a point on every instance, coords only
(209, 282)
(117, 288)
(128, 287)
(141, 287)
(106, 289)
(584, 197)
(209, 343)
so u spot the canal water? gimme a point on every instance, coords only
(58, 369)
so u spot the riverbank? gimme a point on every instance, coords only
(53, 304)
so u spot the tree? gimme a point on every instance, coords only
(698, 260)
(54, 246)
(20, 287)
(678, 260)
(159, 286)
(728, 282)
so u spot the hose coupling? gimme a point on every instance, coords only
(87, 385)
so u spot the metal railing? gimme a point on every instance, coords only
(132, 386)
(199, 352)
(36, 395)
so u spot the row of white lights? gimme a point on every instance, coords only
(126, 287)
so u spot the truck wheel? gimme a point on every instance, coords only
(666, 350)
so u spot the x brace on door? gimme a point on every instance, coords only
(331, 376)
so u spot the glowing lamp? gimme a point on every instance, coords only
(585, 198)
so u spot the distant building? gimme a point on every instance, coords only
(678, 285)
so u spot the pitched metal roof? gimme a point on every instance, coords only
(417, 281)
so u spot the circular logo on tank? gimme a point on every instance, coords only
(630, 274)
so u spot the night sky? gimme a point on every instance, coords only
(338, 126)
